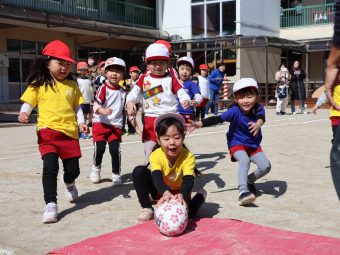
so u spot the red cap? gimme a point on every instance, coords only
(58, 49)
(134, 68)
(166, 44)
(101, 63)
(82, 66)
(203, 67)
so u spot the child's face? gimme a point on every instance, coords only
(59, 68)
(83, 72)
(171, 142)
(134, 75)
(184, 72)
(158, 67)
(114, 74)
(204, 72)
(246, 100)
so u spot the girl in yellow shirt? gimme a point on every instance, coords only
(58, 98)
(172, 170)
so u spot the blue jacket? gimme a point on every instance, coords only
(215, 79)
(191, 88)
(238, 133)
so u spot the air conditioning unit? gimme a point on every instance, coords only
(4, 60)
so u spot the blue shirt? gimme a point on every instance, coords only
(191, 88)
(238, 133)
(215, 79)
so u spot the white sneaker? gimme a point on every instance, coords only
(50, 213)
(305, 112)
(116, 180)
(70, 190)
(95, 174)
(294, 113)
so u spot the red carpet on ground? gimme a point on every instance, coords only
(205, 236)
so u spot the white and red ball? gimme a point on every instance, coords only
(171, 218)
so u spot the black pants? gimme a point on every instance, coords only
(200, 113)
(335, 161)
(142, 180)
(114, 148)
(50, 174)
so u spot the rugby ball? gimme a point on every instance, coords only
(171, 218)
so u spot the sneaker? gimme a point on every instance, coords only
(70, 190)
(146, 215)
(304, 112)
(95, 174)
(246, 198)
(294, 113)
(50, 213)
(252, 188)
(116, 180)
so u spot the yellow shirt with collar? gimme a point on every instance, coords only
(172, 176)
(336, 96)
(56, 106)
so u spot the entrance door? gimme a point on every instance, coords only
(18, 70)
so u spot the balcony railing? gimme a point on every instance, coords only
(110, 11)
(308, 15)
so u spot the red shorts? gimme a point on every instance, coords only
(249, 150)
(203, 103)
(187, 117)
(335, 120)
(53, 141)
(149, 133)
(105, 132)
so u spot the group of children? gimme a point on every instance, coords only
(167, 103)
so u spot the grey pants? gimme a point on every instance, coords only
(263, 168)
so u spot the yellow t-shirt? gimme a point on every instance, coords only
(56, 107)
(172, 176)
(336, 96)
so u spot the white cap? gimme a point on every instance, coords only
(170, 115)
(157, 51)
(189, 60)
(244, 83)
(115, 62)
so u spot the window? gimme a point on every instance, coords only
(228, 18)
(13, 45)
(213, 20)
(28, 47)
(14, 70)
(197, 20)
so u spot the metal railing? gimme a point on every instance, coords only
(108, 11)
(308, 15)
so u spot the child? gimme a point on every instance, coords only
(282, 77)
(84, 83)
(108, 120)
(58, 98)
(244, 136)
(203, 83)
(159, 86)
(185, 66)
(101, 76)
(172, 170)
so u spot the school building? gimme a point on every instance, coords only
(98, 28)
(251, 36)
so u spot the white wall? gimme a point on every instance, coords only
(177, 18)
(258, 17)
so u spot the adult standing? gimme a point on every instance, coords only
(333, 93)
(298, 91)
(215, 83)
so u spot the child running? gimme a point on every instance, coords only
(108, 119)
(185, 66)
(172, 170)
(160, 88)
(244, 136)
(58, 98)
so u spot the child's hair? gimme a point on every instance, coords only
(40, 75)
(163, 126)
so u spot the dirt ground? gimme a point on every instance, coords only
(297, 194)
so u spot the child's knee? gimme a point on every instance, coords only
(266, 167)
(139, 172)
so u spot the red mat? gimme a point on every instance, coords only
(206, 236)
